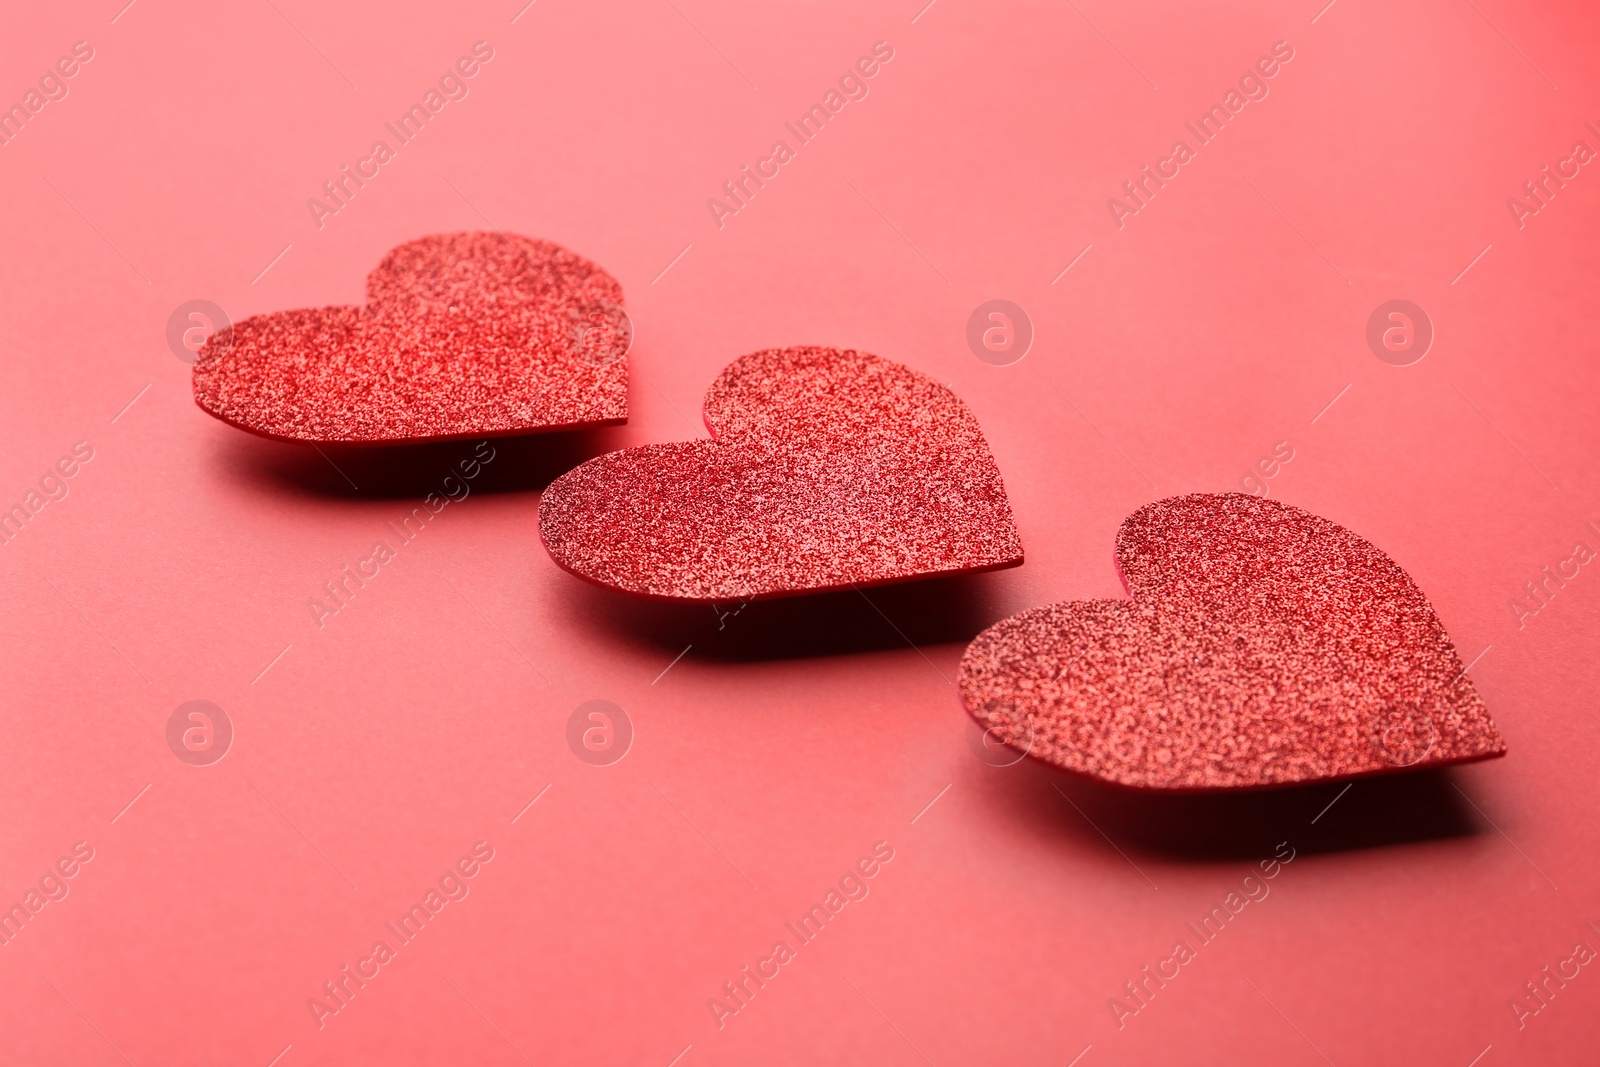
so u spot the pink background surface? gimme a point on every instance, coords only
(373, 752)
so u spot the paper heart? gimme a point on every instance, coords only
(463, 335)
(828, 469)
(1263, 646)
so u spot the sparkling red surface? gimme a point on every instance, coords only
(1263, 646)
(829, 469)
(463, 335)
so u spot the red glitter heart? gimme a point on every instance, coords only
(828, 469)
(1263, 646)
(463, 335)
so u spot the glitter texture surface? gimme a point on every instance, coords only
(463, 335)
(828, 469)
(1263, 646)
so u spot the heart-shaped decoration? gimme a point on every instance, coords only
(464, 335)
(1263, 646)
(828, 469)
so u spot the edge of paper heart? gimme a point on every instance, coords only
(780, 594)
(386, 442)
(1039, 762)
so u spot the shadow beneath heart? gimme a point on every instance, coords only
(1373, 812)
(526, 463)
(909, 615)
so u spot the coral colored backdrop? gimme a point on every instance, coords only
(1206, 329)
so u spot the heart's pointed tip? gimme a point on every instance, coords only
(1497, 750)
